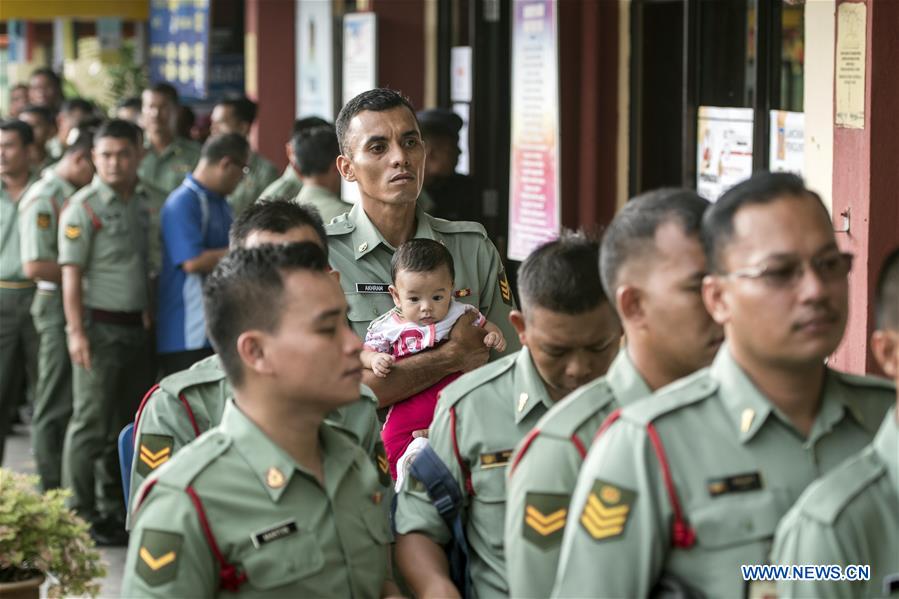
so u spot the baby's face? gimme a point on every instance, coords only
(423, 297)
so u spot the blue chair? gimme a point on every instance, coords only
(126, 454)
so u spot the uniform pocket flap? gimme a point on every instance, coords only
(735, 520)
(282, 561)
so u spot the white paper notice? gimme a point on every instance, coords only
(850, 67)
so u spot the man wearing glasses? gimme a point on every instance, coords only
(195, 221)
(680, 491)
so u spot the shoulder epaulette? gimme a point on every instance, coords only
(567, 416)
(868, 381)
(365, 392)
(175, 384)
(687, 391)
(193, 459)
(473, 380)
(458, 226)
(827, 497)
(339, 225)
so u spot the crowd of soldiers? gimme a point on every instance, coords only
(663, 413)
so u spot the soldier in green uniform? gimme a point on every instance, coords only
(288, 185)
(316, 154)
(18, 339)
(685, 487)
(851, 516)
(168, 158)
(43, 124)
(38, 228)
(652, 263)
(164, 425)
(103, 254)
(237, 116)
(570, 336)
(273, 502)
(381, 151)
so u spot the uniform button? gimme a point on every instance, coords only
(363, 247)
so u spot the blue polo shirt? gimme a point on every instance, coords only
(193, 219)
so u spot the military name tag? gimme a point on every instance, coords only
(273, 534)
(372, 288)
(738, 483)
(496, 459)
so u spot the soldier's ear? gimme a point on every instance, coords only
(629, 301)
(251, 349)
(345, 168)
(518, 323)
(714, 296)
(885, 347)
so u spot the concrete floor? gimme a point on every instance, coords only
(18, 457)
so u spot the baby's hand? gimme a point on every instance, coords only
(381, 364)
(495, 340)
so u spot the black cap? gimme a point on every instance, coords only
(439, 121)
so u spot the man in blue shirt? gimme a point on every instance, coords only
(194, 223)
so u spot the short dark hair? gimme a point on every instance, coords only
(761, 188)
(165, 89)
(421, 255)
(119, 129)
(79, 104)
(308, 123)
(83, 142)
(632, 232)
(315, 150)
(245, 291)
(134, 102)
(886, 296)
(42, 112)
(50, 74)
(23, 129)
(276, 215)
(377, 100)
(226, 145)
(562, 276)
(244, 108)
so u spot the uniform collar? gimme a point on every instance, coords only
(268, 460)
(626, 383)
(366, 236)
(51, 176)
(749, 408)
(33, 175)
(174, 148)
(530, 390)
(886, 445)
(104, 191)
(290, 174)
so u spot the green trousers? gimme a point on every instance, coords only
(104, 400)
(18, 355)
(53, 395)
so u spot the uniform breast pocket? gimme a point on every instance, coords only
(283, 561)
(488, 506)
(362, 308)
(741, 519)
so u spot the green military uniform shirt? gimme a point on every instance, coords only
(10, 258)
(362, 256)
(165, 425)
(851, 516)
(262, 174)
(108, 239)
(285, 187)
(737, 464)
(328, 204)
(270, 517)
(39, 211)
(547, 463)
(484, 413)
(166, 169)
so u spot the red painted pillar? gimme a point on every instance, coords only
(270, 49)
(401, 47)
(866, 181)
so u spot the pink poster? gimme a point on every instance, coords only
(534, 203)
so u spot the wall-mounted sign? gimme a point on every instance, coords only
(315, 59)
(179, 45)
(724, 149)
(787, 151)
(360, 68)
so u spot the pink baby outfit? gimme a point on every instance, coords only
(389, 333)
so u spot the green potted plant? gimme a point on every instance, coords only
(40, 537)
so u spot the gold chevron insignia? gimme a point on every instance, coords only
(545, 524)
(382, 463)
(157, 459)
(155, 563)
(606, 511)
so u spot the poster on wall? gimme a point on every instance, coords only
(724, 149)
(787, 151)
(179, 45)
(315, 60)
(534, 198)
(360, 69)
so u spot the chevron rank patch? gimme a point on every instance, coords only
(383, 466)
(155, 450)
(43, 220)
(607, 510)
(544, 518)
(157, 558)
(73, 232)
(505, 290)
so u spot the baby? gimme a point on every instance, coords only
(425, 311)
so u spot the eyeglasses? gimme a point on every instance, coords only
(829, 268)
